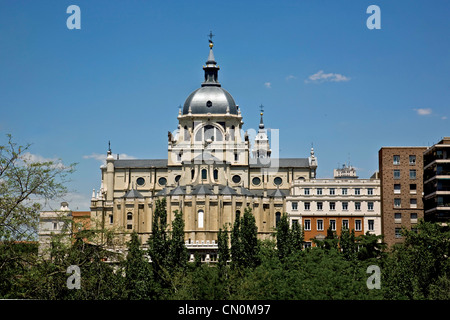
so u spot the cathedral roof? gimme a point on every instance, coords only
(210, 97)
(133, 193)
(280, 162)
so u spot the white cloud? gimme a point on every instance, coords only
(102, 157)
(323, 77)
(290, 77)
(268, 85)
(36, 158)
(423, 111)
(444, 118)
(77, 202)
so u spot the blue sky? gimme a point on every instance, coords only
(322, 75)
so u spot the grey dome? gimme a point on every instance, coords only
(210, 99)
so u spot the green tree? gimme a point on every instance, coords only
(178, 255)
(347, 244)
(138, 273)
(223, 250)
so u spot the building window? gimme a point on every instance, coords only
(177, 178)
(412, 160)
(140, 181)
(396, 174)
(111, 219)
(162, 181)
(412, 174)
(236, 156)
(333, 225)
(55, 226)
(307, 224)
(332, 191)
(294, 222)
(129, 216)
(236, 178)
(397, 188)
(216, 174)
(371, 225)
(129, 226)
(277, 181)
(256, 181)
(306, 191)
(200, 218)
(294, 205)
(370, 191)
(358, 226)
(319, 191)
(307, 244)
(357, 191)
(332, 205)
(397, 217)
(344, 191)
(370, 205)
(396, 159)
(204, 174)
(357, 205)
(413, 203)
(319, 224)
(413, 217)
(277, 218)
(192, 174)
(412, 188)
(344, 205)
(345, 224)
(397, 203)
(307, 206)
(398, 233)
(319, 205)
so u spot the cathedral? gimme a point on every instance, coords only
(213, 170)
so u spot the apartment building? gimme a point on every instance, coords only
(437, 181)
(401, 180)
(342, 202)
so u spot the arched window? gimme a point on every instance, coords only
(192, 174)
(216, 174)
(204, 174)
(208, 132)
(129, 216)
(187, 136)
(200, 218)
(277, 218)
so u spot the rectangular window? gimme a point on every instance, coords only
(129, 226)
(333, 225)
(319, 191)
(344, 191)
(412, 159)
(397, 188)
(357, 191)
(358, 226)
(332, 191)
(397, 217)
(413, 203)
(332, 205)
(307, 191)
(357, 205)
(412, 188)
(370, 191)
(307, 224)
(398, 233)
(307, 244)
(371, 225)
(412, 174)
(413, 217)
(397, 203)
(345, 224)
(370, 205)
(55, 226)
(345, 205)
(319, 205)
(294, 205)
(294, 222)
(111, 219)
(396, 174)
(307, 206)
(319, 225)
(236, 156)
(396, 159)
